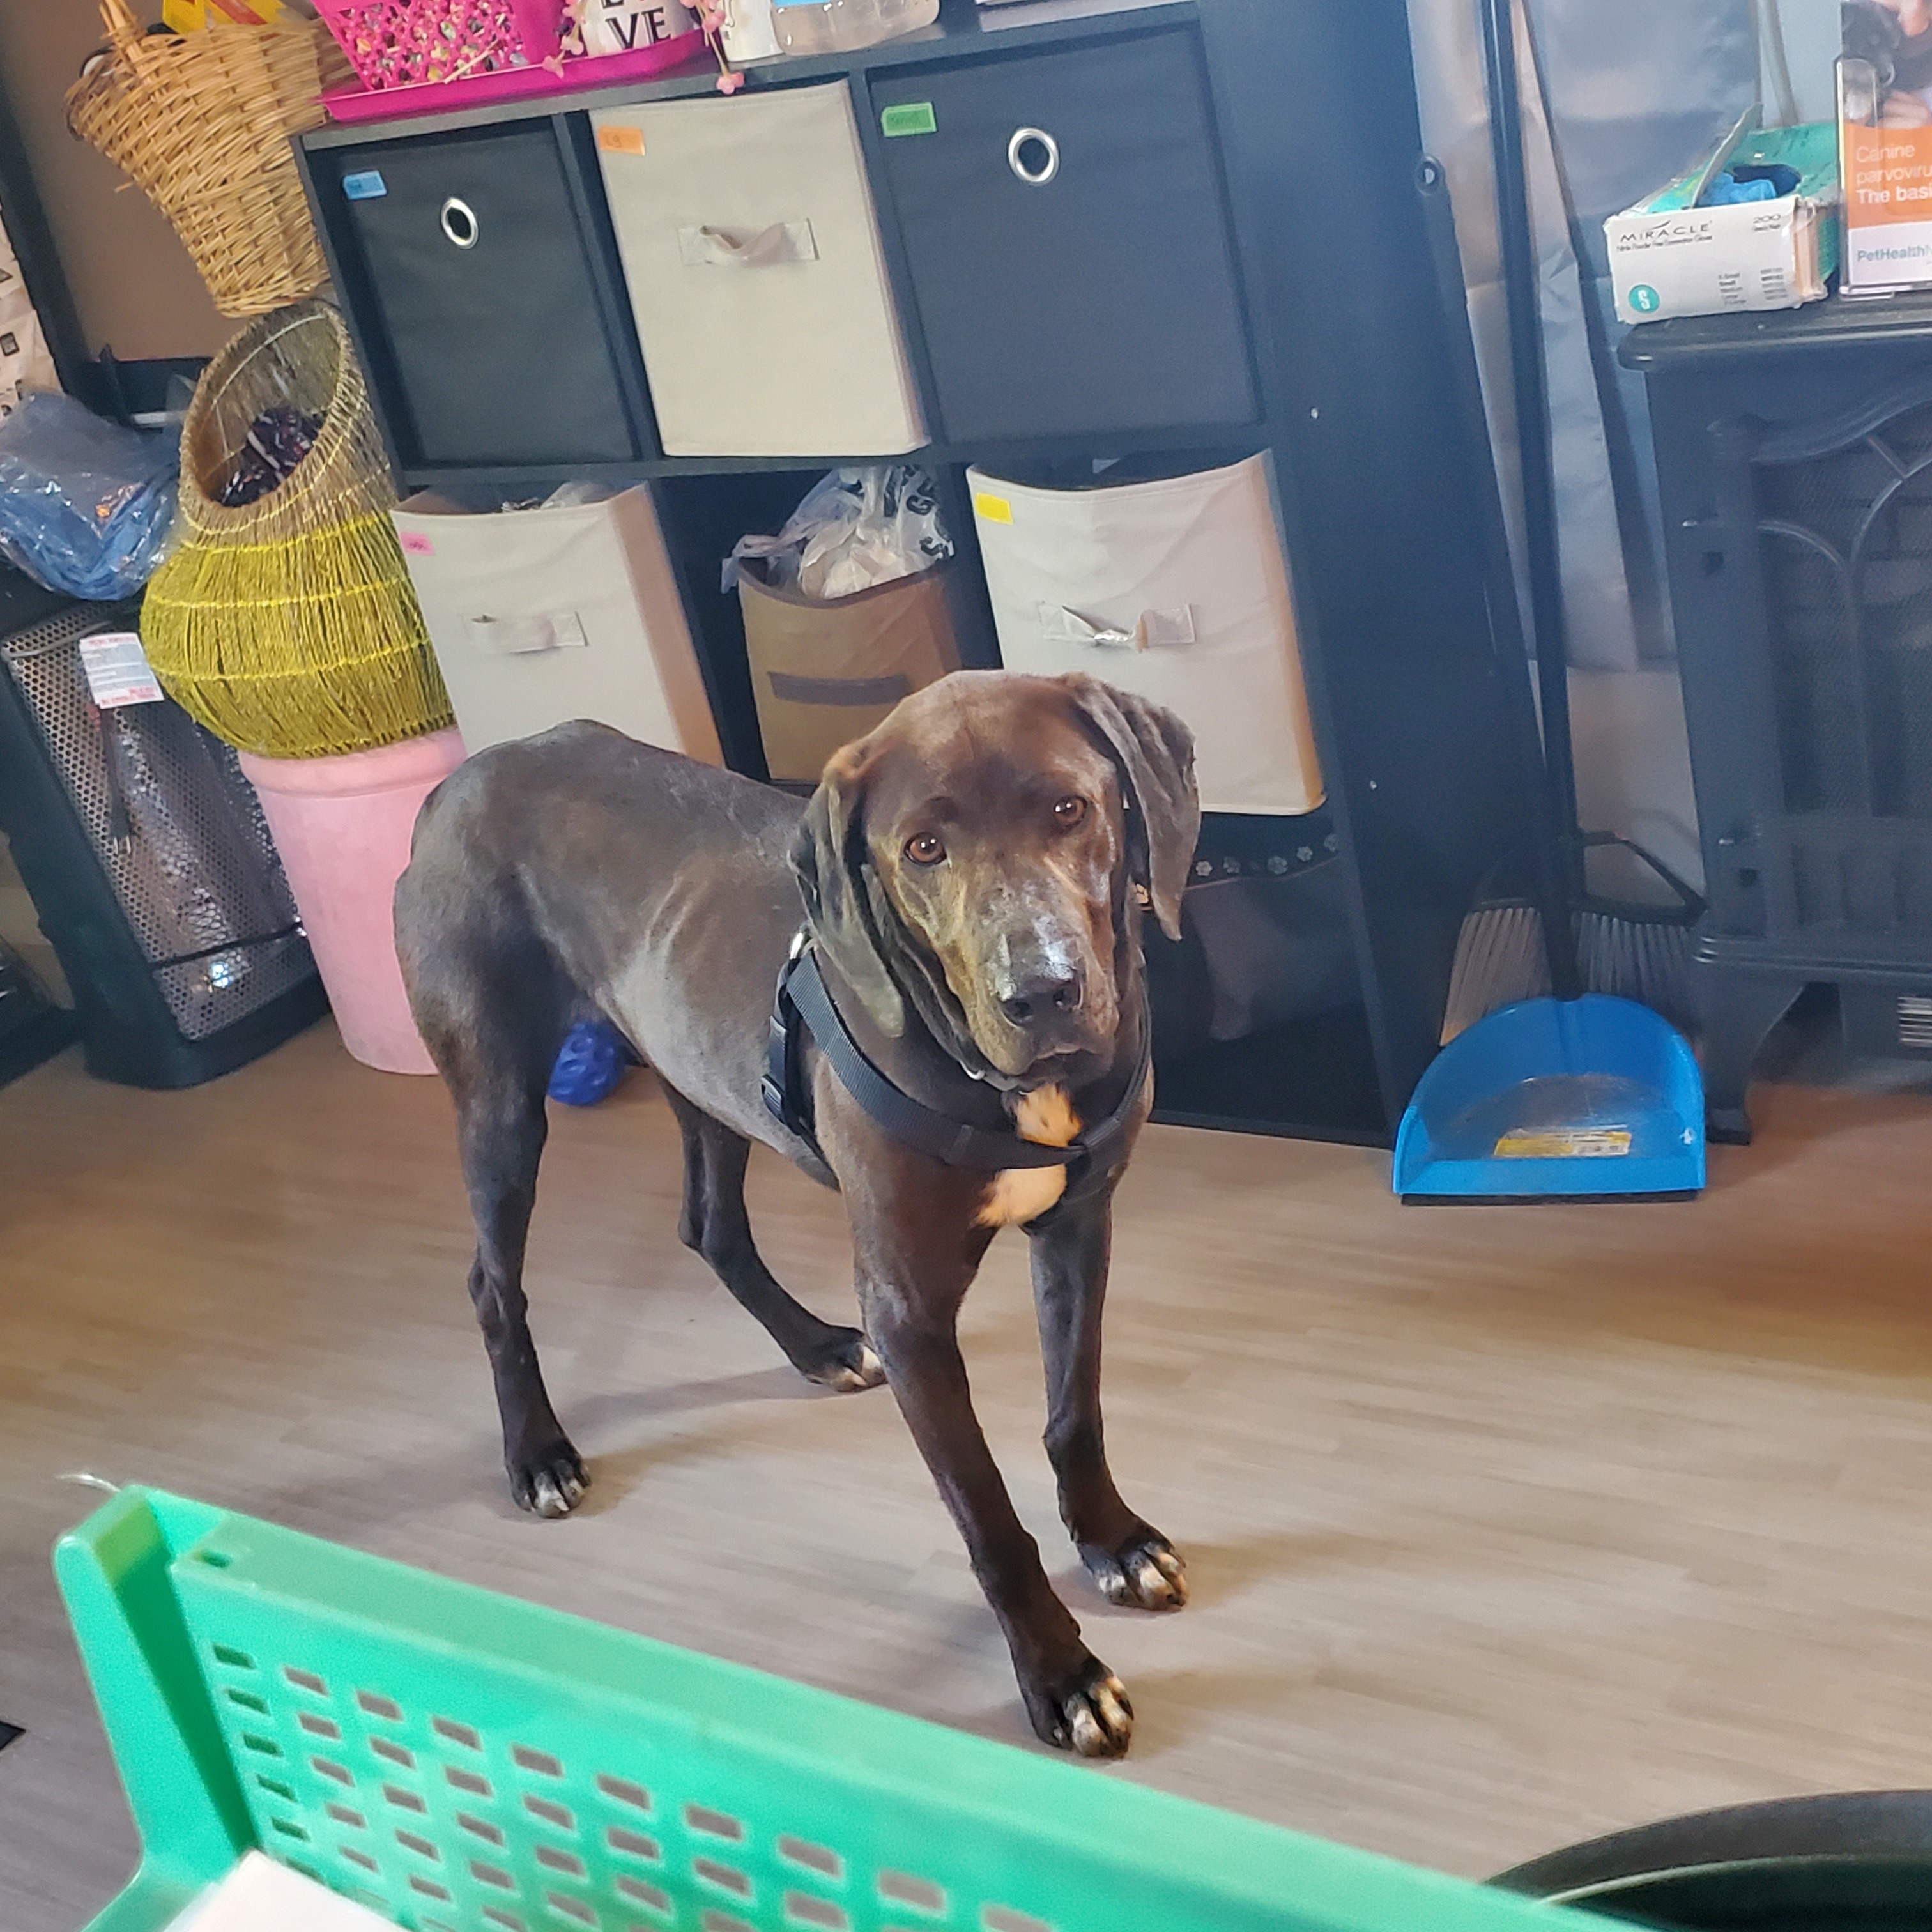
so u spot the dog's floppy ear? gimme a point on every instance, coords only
(1155, 752)
(828, 855)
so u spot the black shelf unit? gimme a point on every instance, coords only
(1350, 355)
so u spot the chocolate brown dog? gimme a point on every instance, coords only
(972, 876)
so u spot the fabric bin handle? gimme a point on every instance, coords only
(708, 248)
(1034, 155)
(523, 636)
(1152, 628)
(457, 220)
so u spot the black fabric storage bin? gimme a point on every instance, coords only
(151, 867)
(1254, 952)
(1063, 217)
(490, 338)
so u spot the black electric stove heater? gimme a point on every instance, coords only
(1794, 462)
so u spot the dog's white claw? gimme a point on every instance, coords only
(553, 1496)
(1148, 1577)
(870, 1373)
(1158, 1584)
(1101, 1722)
(847, 1380)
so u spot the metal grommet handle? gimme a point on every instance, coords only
(459, 222)
(1033, 154)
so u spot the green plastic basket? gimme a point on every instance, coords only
(461, 1762)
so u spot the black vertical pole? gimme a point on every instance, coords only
(1547, 853)
(1521, 281)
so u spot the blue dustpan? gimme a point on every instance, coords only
(1589, 1099)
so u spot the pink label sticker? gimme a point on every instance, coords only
(417, 544)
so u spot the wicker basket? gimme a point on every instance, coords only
(202, 122)
(287, 625)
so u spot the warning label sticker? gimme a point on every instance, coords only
(1563, 1144)
(117, 670)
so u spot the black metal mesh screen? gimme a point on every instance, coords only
(1847, 549)
(177, 831)
(1846, 543)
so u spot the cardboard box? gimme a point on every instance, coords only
(1668, 256)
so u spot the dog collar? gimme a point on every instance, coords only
(803, 1006)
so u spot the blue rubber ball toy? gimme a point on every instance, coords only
(592, 1060)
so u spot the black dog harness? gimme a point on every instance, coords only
(803, 1006)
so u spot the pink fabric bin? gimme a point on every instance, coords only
(343, 826)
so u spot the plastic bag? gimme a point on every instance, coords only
(855, 529)
(576, 496)
(85, 506)
(565, 496)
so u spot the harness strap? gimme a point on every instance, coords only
(802, 1005)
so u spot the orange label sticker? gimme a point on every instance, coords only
(621, 140)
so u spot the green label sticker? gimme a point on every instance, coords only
(1644, 299)
(912, 117)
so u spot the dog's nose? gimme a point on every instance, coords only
(1044, 994)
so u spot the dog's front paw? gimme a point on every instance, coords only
(549, 1481)
(845, 1361)
(1144, 1573)
(1086, 1710)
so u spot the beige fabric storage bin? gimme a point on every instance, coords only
(823, 673)
(539, 616)
(1176, 589)
(751, 251)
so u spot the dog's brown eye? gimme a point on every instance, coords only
(1069, 812)
(924, 848)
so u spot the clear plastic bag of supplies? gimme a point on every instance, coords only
(857, 528)
(85, 506)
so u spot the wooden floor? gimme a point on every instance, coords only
(1506, 1526)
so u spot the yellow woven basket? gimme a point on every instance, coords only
(287, 626)
(202, 122)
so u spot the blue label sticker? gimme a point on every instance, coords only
(1644, 299)
(369, 187)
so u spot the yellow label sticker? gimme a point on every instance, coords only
(1564, 1144)
(621, 140)
(992, 509)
